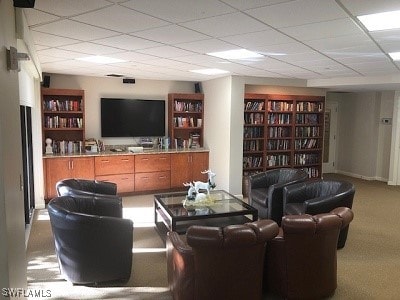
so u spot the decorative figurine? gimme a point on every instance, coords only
(195, 186)
(49, 148)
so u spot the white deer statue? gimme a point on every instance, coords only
(191, 194)
(210, 184)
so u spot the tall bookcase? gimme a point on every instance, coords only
(185, 120)
(63, 119)
(283, 131)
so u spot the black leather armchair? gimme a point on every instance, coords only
(319, 196)
(219, 263)
(301, 262)
(87, 188)
(266, 190)
(92, 242)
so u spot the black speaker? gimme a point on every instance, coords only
(197, 87)
(46, 81)
(128, 80)
(24, 3)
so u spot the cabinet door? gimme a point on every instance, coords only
(117, 164)
(82, 167)
(56, 169)
(199, 163)
(152, 181)
(180, 169)
(125, 182)
(152, 163)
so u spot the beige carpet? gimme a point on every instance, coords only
(368, 266)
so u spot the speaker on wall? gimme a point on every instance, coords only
(197, 87)
(24, 3)
(46, 81)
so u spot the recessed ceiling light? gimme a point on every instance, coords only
(236, 54)
(101, 59)
(210, 71)
(395, 55)
(381, 21)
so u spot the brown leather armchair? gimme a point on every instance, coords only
(301, 261)
(319, 196)
(266, 190)
(219, 263)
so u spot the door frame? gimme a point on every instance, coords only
(331, 110)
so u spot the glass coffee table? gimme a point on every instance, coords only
(172, 212)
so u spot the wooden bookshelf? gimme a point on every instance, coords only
(283, 131)
(186, 120)
(63, 118)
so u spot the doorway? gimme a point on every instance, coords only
(330, 137)
(27, 161)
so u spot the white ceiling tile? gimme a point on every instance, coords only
(282, 49)
(171, 34)
(332, 28)
(91, 48)
(177, 11)
(127, 42)
(165, 51)
(225, 25)
(132, 56)
(298, 13)
(386, 36)
(243, 5)
(54, 52)
(35, 17)
(75, 30)
(207, 46)
(127, 20)
(364, 7)
(260, 38)
(65, 8)
(48, 59)
(340, 42)
(51, 40)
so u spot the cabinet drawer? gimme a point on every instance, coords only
(152, 163)
(118, 164)
(125, 182)
(152, 181)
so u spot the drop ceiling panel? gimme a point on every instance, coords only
(340, 42)
(171, 34)
(127, 42)
(64, 8)
(260, 38)
(207, 46)
(298, 13)
(127, 20)
(54, 52)
(243, 5)
(165, 51)
(364, 7)
(229, 24)
(35, 17)
(176, 11)
(91, 48)
(51, 40)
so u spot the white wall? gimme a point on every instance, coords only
(12, 221)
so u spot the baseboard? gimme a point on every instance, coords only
(361, 176)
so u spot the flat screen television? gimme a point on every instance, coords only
(132, 117)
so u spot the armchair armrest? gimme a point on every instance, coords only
(294, 193)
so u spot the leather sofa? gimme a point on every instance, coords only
(266, 191)
(218, 263)
(319, 196)
(87, 188)
(301, 262)
(93, 242)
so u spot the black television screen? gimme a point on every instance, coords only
(132, 118)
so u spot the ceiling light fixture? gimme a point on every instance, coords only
(210, 71)
(100, 59)
(395, 55)
(236, 54)
(381, 21)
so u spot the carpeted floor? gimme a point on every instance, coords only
(368, 266)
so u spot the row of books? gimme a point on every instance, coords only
(69, 147)
(278, 145)
(62, 105)
(306, 158)
(253, 132)
(310, 106)
(280, 106)
(61, 122)
(252, 162)
(308, 131)
(311, 119)
(312, 172)
(254, 145)
(278, 160)
(279, 132)
(184, 106)
(192, 142)
(279, 119)
(254, 118)
(306, 144)
(254, 105)
(188, 122)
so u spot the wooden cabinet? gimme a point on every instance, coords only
(63, 119)
(57, 169)
(187, 167)
(283, 131)
(185, 120)
(118, 169)
(152, 172)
